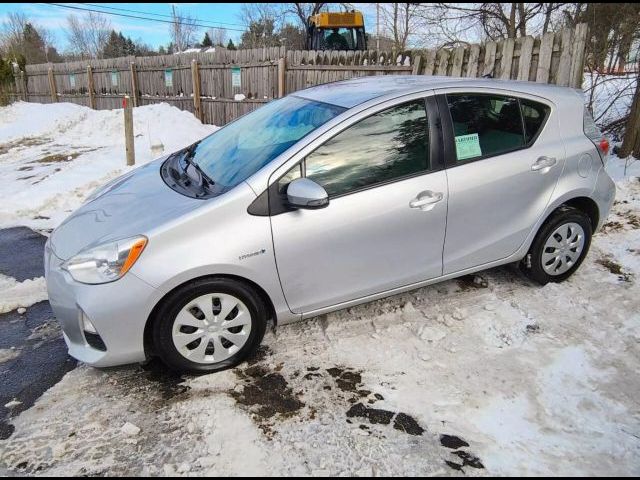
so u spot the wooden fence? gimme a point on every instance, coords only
(206, 83)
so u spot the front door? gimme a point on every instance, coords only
(385, 223)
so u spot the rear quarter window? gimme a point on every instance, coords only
(534, 116)
(590, 128)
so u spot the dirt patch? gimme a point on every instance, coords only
(468, 459)
(407, 424)
(452, 442)
(24, 142)
(403, 422)
(266, 393)
(612, 227)
(374, 415)
(615, 268)
(469, 282)
(58, 157)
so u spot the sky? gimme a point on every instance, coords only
(150, 32)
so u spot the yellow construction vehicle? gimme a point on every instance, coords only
(336, 31)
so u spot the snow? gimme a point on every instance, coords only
(17, 295)
(53, 156)
(611, 95)
(537, 380)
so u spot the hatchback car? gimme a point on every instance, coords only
(330, 197)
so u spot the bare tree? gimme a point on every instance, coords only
(19, 36)
(302, 11)
(183, 29)
(11, 33)
(88, 35)
(219, 36)
(399, 22)
(449, 24)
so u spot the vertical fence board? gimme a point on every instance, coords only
(577, 56)
(524, 62)
(506, 61)
(489, 58)
(472, 64)
(564, 67)
(544, 58)
(458, 57)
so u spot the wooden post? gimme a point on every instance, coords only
(90, 88)
(195, 77)
(52, 86)
(417, 63)
(134, 83)
(128, 131)
(577, 56)
(282, 68)
(24, 86)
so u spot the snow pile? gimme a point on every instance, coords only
(21, 294)
(52, 156)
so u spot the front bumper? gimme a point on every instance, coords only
(118, 311)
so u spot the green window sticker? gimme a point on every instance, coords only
(468, 146)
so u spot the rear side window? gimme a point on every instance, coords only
(534, 115)
(591, 130)
(485, 125)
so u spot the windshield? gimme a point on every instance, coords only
(234, 153)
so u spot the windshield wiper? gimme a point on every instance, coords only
(188, 158)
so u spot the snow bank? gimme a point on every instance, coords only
(21, 294)
(52, 156)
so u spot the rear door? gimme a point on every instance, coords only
(504, 158)
(385, 222)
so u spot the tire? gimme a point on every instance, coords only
(539, 265)
(195, 312)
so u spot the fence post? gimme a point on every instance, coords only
(577, 55)
(195, 78)
(24, 86)
(90, 88)
(282, 68)
(52, 86)
(134, 83)
(128, 131)
(417, 63)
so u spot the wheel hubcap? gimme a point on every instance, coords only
(563, 249)
(211, 328)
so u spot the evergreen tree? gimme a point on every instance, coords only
(206, 41)
(230, 45)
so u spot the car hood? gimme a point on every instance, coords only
(131, 205)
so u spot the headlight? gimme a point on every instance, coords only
(105, 263)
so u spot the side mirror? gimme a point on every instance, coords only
(305, 193)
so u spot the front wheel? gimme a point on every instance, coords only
(209, 325)
(559, 247)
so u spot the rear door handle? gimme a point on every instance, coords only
(543, 164)
(426, 200)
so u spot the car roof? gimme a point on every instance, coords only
(349, 93)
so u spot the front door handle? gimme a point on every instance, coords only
(543, 164)
(426, 200)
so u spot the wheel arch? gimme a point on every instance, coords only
(264, 296)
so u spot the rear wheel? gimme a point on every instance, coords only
(209, 325)
(559, 247)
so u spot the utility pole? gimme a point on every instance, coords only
(377, 26)
(175, 28)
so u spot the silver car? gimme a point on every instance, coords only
(330, 197)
